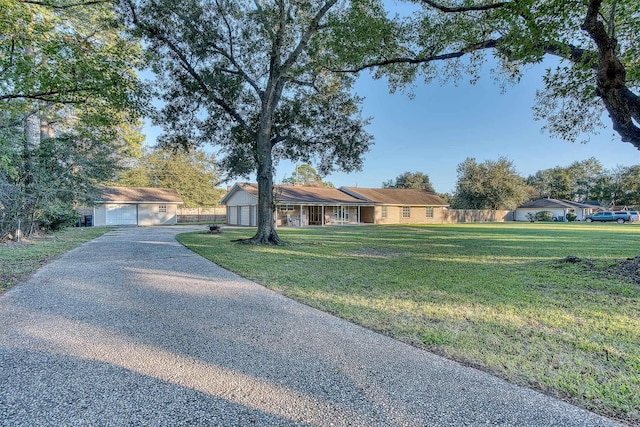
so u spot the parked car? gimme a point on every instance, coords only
(634, 216)
(619, 217)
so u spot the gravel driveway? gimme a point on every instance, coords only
(134, 329)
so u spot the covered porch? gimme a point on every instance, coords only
(305, 215)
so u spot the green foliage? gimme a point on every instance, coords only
(417, 180)
(587, 180)
(307, 176)
(531, 216)
(493, 184)
(194, 175)
(544, 216)
(251, 78)
(69, 98)
(571, 216)
(56, 216)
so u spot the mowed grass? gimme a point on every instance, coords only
(19, 260)
(492, 296)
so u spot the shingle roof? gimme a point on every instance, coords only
(308, 195)
(139, 195)
(396, 196)
(553, 203)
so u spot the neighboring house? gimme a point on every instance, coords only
(559, 209)
(302, 206)
(136, 206)
(401, 205)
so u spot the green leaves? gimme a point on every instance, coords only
(492, 184)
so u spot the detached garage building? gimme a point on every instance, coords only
(136, 206)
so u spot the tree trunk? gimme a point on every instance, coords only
(622, 105)
(266, 234)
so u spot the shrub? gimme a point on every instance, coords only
(57, 216)
(571, 216)
(544, 216)
(531, 216)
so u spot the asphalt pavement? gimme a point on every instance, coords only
(133, 329)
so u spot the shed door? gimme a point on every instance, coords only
(232, 212)
(244, 216)
(121, 214)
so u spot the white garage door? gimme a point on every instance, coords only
(122, 214)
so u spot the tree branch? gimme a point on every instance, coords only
(621, 103)
(487, 44)
(308, 33)
(48, 96)
(156, 34)
(52, 5)
(447, 9)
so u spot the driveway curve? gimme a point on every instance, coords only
(134, 329)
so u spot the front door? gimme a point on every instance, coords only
(315, 215)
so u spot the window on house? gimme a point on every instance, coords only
(384, 212)
(406, 212)
(286, 208)
(341, 213)
(162, 208)
(429, 212)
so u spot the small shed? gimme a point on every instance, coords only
(559, 209)
(136, 206)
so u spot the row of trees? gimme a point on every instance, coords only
(495, 184)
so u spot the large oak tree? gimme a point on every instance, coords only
(596, 41)
(248, 76)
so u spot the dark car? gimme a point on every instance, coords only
(619, 217)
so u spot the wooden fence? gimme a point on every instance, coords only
(202, 215)
(455, 216)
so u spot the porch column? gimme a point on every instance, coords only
(358, 214)
(322, 217)
(300, 223)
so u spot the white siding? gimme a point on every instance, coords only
(242, 198)
(150, 214)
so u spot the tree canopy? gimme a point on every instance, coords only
(193, 175)
(588, 180)
(492, 184)
(69, 102)
(596, 42)
(250, 77)
(417, 180)
(307, 176)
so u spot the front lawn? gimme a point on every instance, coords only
(19, 260)
(497, 296)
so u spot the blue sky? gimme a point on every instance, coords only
(443, 125)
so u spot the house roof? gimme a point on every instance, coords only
(139, 195)
(553, 204)
(295, 194)
(396, 196)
